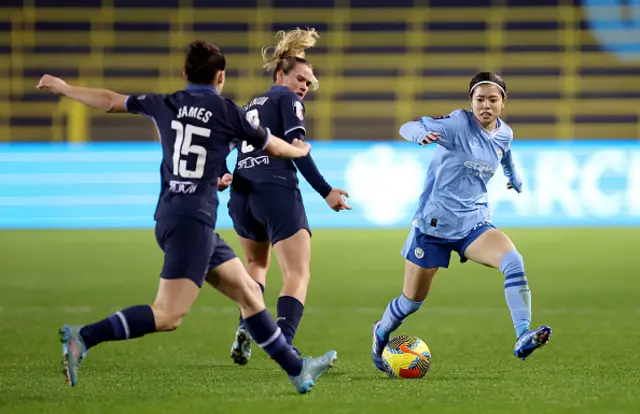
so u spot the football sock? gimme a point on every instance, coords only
(269, 337)
(516, 291)
(241, 324)
(396, 312)
(289, 314)
(129, 323)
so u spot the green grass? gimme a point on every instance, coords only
(584, 283)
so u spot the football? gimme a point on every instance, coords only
(406, 357)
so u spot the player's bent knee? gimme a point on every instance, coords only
(296, 278)
(512, 262)
(171, 323)
(167, 319)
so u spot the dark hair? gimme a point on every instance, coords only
(488, 77)
(204, 60)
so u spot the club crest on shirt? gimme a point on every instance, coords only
(298, 110)
(499, 151)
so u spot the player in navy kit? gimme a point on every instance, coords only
(196, 127)
(265, 204)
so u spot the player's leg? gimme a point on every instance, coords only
(257, 252)
(294, 257)
(229, 276)
(257, 255)
(252, 236)
(187, 245)
(173, 301)
(282, 212)
(417, 283)
(257, 261)
(493, 248)
(424, 255)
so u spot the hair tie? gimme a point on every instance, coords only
(490, 83)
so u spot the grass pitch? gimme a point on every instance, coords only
(584, 282)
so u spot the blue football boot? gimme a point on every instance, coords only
(241, 348)
(73, 352)
(529, 341)
(312, 369)
(377, 347)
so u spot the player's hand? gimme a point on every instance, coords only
(430, 138)
(336, 201)
(515, 183)
(52, 84)
(225, 181)
(303, 146)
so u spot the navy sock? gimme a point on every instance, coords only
(262, 289)
(95, 333)
(289, 314)
(268, 336)
(129, 323)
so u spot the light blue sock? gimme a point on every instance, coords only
(516, 291)
(396, 312)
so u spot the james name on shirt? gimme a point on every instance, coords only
(200, 114)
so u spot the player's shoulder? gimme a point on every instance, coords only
(461, 114)
(455, 115)
(290, 95)
(223, 107)
(259, 100)
(286, 96)
(290, 103)
(149, 97)
(197, 97)
(229, 102)
(215, 102)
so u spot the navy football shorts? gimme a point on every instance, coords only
(190, 248)
(430, 252)
(268, 212)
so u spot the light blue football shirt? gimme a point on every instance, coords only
(454, 199)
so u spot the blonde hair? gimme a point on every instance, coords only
(289, 51)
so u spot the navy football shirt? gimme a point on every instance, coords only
(282, 112)
(198, 129)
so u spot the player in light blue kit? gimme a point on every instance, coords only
(453, 212)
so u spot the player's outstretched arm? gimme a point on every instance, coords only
(279, 148)
(103, 99)
(441, 130)
(413, 131)
(416, 132)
